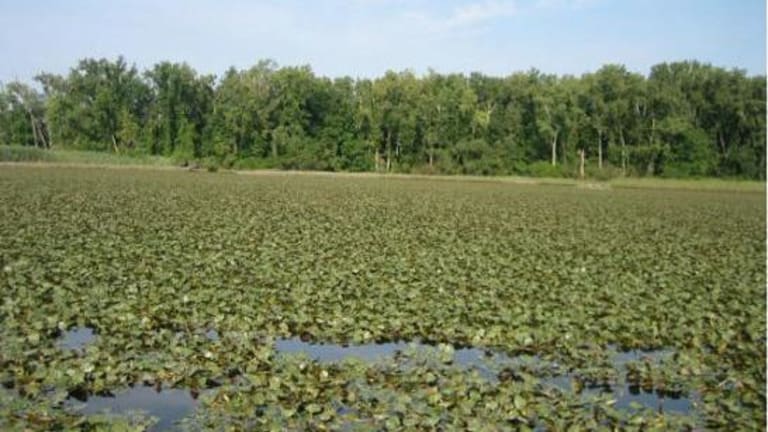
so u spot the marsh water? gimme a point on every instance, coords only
(171, 405)
(77, 338)
(168, 406)
(489, 363)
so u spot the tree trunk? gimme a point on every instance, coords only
(563, 152)
(274, 148)
(34, 129)
(581, 163)
(599, 149)
(649, 169)
(114, 144)
(721, 140)
(44, 134)
(554, 149)
(376, 159)
(432, 143)
(623, 153)
(389, 151)
(48, 139)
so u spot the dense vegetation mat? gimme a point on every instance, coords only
(154, 261)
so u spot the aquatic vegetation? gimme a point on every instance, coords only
(195, 281)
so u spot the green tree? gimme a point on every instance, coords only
(685, 119)
(84, 109)
(180, 111)
(22, 116)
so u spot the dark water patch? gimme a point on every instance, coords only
(621, 358)
(627, 396)
(168, 406)
(495, 366)
(77, 338)
(212, 335)
(332, 353)
(487, 363)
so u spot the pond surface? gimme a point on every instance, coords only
(76, 338)
(489, 363)
(171, 405)
(332, 353)
(625, 395)
(212, 335)
(167, 405)
(621, 358)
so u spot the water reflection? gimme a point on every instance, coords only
(489, 364)
(76, 338)
(168, 406)
(626, 396)
(171, 405)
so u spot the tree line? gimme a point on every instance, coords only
(684, 119)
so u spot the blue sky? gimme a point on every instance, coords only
(367, 37)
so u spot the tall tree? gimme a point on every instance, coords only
(22, 116)
(181, 105)
(86, 108)
(684, 119)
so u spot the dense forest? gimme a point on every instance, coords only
(683, 119)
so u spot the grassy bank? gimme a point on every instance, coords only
(697, 184)
(79, 158)
(33, 154)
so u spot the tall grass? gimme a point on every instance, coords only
(34, 154)
(692, 184)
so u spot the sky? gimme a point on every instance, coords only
(365, 38)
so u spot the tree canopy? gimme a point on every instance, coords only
(683, 119)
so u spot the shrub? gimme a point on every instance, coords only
(229, 161)
(251, 163)
(546, 169)
(23, 154)
(608, 172)
(211, 164)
